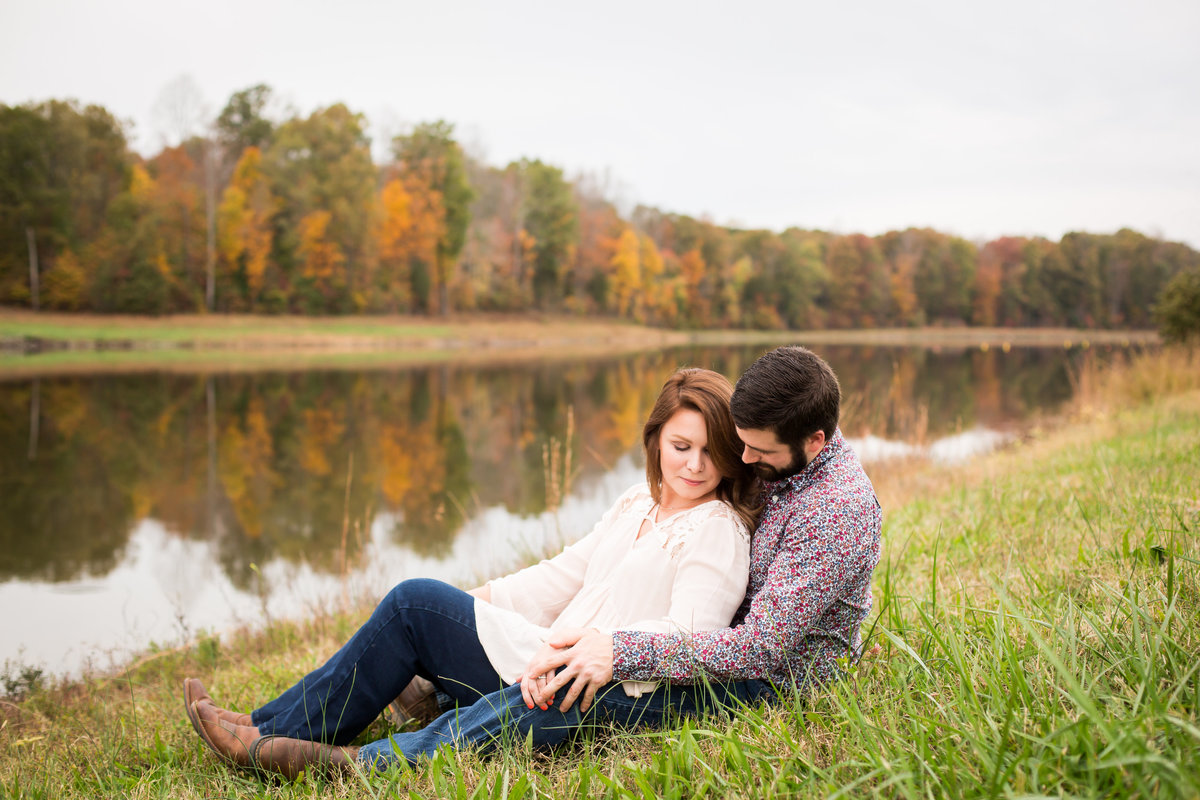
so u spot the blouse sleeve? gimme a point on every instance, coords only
(710, 582)
(540, 592)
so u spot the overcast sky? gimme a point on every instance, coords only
(1015, 118)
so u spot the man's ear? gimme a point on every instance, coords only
(814, 443)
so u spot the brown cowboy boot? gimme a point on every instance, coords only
(290, 757)
(417, 702)
(231, 742)
(194, 692)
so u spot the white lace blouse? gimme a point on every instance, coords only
(687, 573)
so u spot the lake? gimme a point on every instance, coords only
(140, 510)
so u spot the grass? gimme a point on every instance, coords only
(1037, 616)
(239, 330)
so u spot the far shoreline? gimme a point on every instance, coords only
(40, 343)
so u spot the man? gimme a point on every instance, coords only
(809, 591)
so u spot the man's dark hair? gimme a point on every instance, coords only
(790, 391)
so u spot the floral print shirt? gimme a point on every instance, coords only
(809, 590)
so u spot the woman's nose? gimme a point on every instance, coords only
(696, 462)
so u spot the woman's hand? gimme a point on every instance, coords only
(533, 683)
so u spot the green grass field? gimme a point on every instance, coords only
(1037, 616)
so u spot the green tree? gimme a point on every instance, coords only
(243, 122)
(131, 272)
(323, 163)
(431, 153)
(60, 168)
(858, 282)
(1075, 280)
(787, 275)
(1178, 309)
(552, 218)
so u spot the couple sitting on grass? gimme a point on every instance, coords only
(754, 510)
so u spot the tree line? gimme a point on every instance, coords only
(295, 216)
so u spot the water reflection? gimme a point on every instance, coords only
(189, 501)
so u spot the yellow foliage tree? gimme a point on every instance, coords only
(65, 283)
(393, 233)
(692, 269)
(244, 232)
(320, 258)
(627, 274)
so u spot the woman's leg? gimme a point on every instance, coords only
(422, 627)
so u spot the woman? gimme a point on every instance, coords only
(671, 554)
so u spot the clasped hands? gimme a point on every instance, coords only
(586, 658)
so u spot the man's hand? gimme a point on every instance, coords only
(586, 658)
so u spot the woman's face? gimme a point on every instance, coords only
(689, 475)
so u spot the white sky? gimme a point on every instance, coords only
(1015, 118)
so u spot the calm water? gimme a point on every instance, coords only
(140, 509)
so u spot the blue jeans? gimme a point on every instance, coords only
(422, 627)
(502, 718)
(427, 628)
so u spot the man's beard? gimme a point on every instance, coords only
(769, 473)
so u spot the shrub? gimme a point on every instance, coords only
(1178, 308)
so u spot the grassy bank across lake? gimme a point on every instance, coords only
(47, 342)
(1037, 617)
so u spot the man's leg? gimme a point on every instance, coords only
(502, 717)
(660, 707)
(497, 718)
(422, 627)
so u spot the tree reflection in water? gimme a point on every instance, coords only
(257, 464)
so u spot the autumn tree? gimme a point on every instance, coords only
(130, 272)
(322, 163)
(858, 285)
(551, 219)
(245, 231)
(1178, 309)
(243, 122)
(653, 270)
(432, 157)
(61, 166)
(319, 258)
(591, 278)
(997, 295)
(496, 264)
(782, 284)
(692, 270)
(627, 275)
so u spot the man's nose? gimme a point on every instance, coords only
(748, 456)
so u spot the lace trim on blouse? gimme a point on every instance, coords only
(674, 531)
